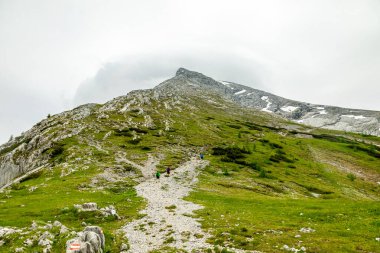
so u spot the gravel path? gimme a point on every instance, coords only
(167, 221)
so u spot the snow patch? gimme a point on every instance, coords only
(289, 108)
(323, 112)
(354, 116)
(320, 108)
(226, 84)
(266, 99)
(240, 92)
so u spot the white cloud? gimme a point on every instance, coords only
(320, 51)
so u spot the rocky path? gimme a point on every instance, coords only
(168, 220)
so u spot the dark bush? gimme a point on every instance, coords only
(275, 145)
(34, 175)
(135, 141)
(138, 130)
(332, 138)
(372, 150)
(234, 126)
(254, 166)
(56, 150)
(279, 156)
(218, 151)
(123, 132)
(263, 174)
(252, 126)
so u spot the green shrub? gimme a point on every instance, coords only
(254, 166)
(351, 176)
(234, 126)
(263, 174)
(55, 150)
(34, 175)
(138, 130)
(124, 132)
(275, 145)
(135, 141)
(225, 172)
(17, 186)
(279, 156)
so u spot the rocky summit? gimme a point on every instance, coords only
(194, 165)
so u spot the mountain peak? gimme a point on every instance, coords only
(183, 71)
(188, 73)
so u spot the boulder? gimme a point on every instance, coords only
(98, 231)
(91, 206)
(91, 240)
(28, 242)
(57, 224)
(63, 230)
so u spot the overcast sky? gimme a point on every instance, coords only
(55, 55)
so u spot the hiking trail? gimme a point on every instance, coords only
(168, 220)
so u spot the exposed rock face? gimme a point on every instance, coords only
(29, 151)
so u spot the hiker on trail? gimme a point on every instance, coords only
(168, 171)
(158, 175)
(201, 155)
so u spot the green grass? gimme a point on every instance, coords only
(54, 199)
(243, 219)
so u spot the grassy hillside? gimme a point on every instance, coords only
(267, 179)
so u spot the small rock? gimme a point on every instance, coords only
(33, 188)
(46, 235)
(7, 231)
(124, 247)
(297, 236)
(110, 211)
(19, 249)
(63, 230)
(91, 206)
(377, 239)
(34, 226)
(2, 243)
(45, 242)
(28, 242)
(57, 224)
(47, 249)
(48, 226)
(307, 230)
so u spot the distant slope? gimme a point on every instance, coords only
(329, 117)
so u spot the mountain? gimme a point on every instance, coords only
(266, 183)
(329, 117)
